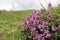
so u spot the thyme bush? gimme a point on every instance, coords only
(42, 25)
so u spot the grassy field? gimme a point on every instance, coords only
(9, 20)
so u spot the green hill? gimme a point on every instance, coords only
(9, 20)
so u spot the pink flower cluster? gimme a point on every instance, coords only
(39, 28)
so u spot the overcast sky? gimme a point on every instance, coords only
(26, 4)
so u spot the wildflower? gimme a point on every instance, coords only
(41, 26)
(47, 35)
(41, 37)
(41, 10)
(45, 23)
(54, 28)
(49, 5)
(38, 27)
(49, 15)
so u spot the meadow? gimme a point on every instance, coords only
(9, 21)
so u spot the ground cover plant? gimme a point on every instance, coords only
(42, 25)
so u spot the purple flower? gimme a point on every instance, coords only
(54, 28)
(45, 23)
(49, 15)
(27, 22)
(36, 21)
(47, 35)
(41, 37)
(37, 17)
(49, 5)
(41, 26)
(37, 12)
(41, 10)
(27, 18)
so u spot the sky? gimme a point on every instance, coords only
(26, 4)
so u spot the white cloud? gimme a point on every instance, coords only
(26, 4)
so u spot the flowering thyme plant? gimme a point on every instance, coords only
(42, 25)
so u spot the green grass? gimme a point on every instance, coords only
(9, 20)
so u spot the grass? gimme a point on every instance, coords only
(9, 20)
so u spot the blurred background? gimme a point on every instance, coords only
(26, 4)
